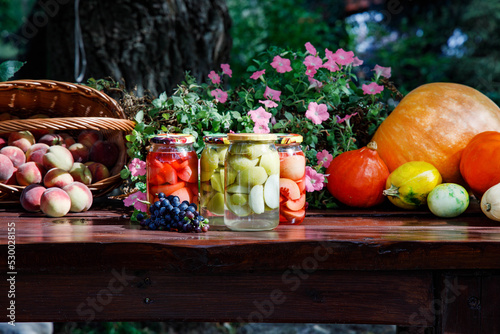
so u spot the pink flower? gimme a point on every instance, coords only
(260, 115)
(372, 88)
(269, 103)
(219, 95)
(272, 94)
(257, 74)
(134, 199)
(282, 65)
(329, 54)
(315, 83)
(226, 69)
(137, 167)
(273, 120)
(312, 61)
(311, 71)
(317, 113)
(345, 118)
(325, 158)
(314, 180)
(214, 77)
(261, 128)
(342, 57)
(382, 71)
(311, 49)
(357, 62)
(331, 66)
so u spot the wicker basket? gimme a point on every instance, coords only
(69, 107)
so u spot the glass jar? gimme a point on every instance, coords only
(172, 167)
(212, 178)
(251, 179)
(292, 178)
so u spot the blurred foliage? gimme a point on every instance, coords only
(12, 16)
(423, 41)
(261, 24)
(436, 41)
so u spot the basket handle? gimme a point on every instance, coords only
(63, 123)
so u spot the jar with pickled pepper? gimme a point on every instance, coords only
(292, 179)
(172, 167)
(212, 161)
(251, 179)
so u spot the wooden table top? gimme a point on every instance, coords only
(359, 240)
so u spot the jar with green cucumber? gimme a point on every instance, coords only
(251, 182)
(212, 161)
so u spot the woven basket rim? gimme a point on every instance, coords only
(113, 123)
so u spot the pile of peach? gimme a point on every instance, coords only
(56, 168)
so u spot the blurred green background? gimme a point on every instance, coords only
(424, 41)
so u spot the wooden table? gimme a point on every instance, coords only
(411, 269)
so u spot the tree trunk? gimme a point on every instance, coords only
(149, 44)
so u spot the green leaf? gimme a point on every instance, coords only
(178, 102)
(289, 116)
(124, 173)
(9, 68)
(139, 117)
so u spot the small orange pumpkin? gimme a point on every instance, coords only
(480, 163)
(434, 123)
(357, 178)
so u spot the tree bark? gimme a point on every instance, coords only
(147, 44)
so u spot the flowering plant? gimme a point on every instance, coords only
(317, 95)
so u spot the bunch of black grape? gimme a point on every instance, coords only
(169, 214)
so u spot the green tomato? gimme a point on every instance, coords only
(448, 200)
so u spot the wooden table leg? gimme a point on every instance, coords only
(470, 303)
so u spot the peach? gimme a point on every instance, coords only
(36, 152)
(3, 142)
(80, 152)
(29, 172)
(15, 154)
(21, 139)
(6, 168)
(12, 181)
(289, 189)
(99, 171)
(80, 195)
(51, 139)
(105, 152)
(81, 173)
(55, 202)
(57, 177)
(89, 137)
(293, 167)
(30, 197)
(58, 156)
(67, 139)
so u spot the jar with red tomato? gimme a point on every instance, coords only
(292, 179)
(172, 167)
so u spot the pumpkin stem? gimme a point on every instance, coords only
(372, 145)
(392, 191)
(488, 207)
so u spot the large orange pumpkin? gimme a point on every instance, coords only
(434, 123)
(480, 163)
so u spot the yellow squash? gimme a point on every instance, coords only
(408, 185)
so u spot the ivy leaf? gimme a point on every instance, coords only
(124, 173)
(289, 116)
(9, 68)
(139, 117)
(178, 102)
